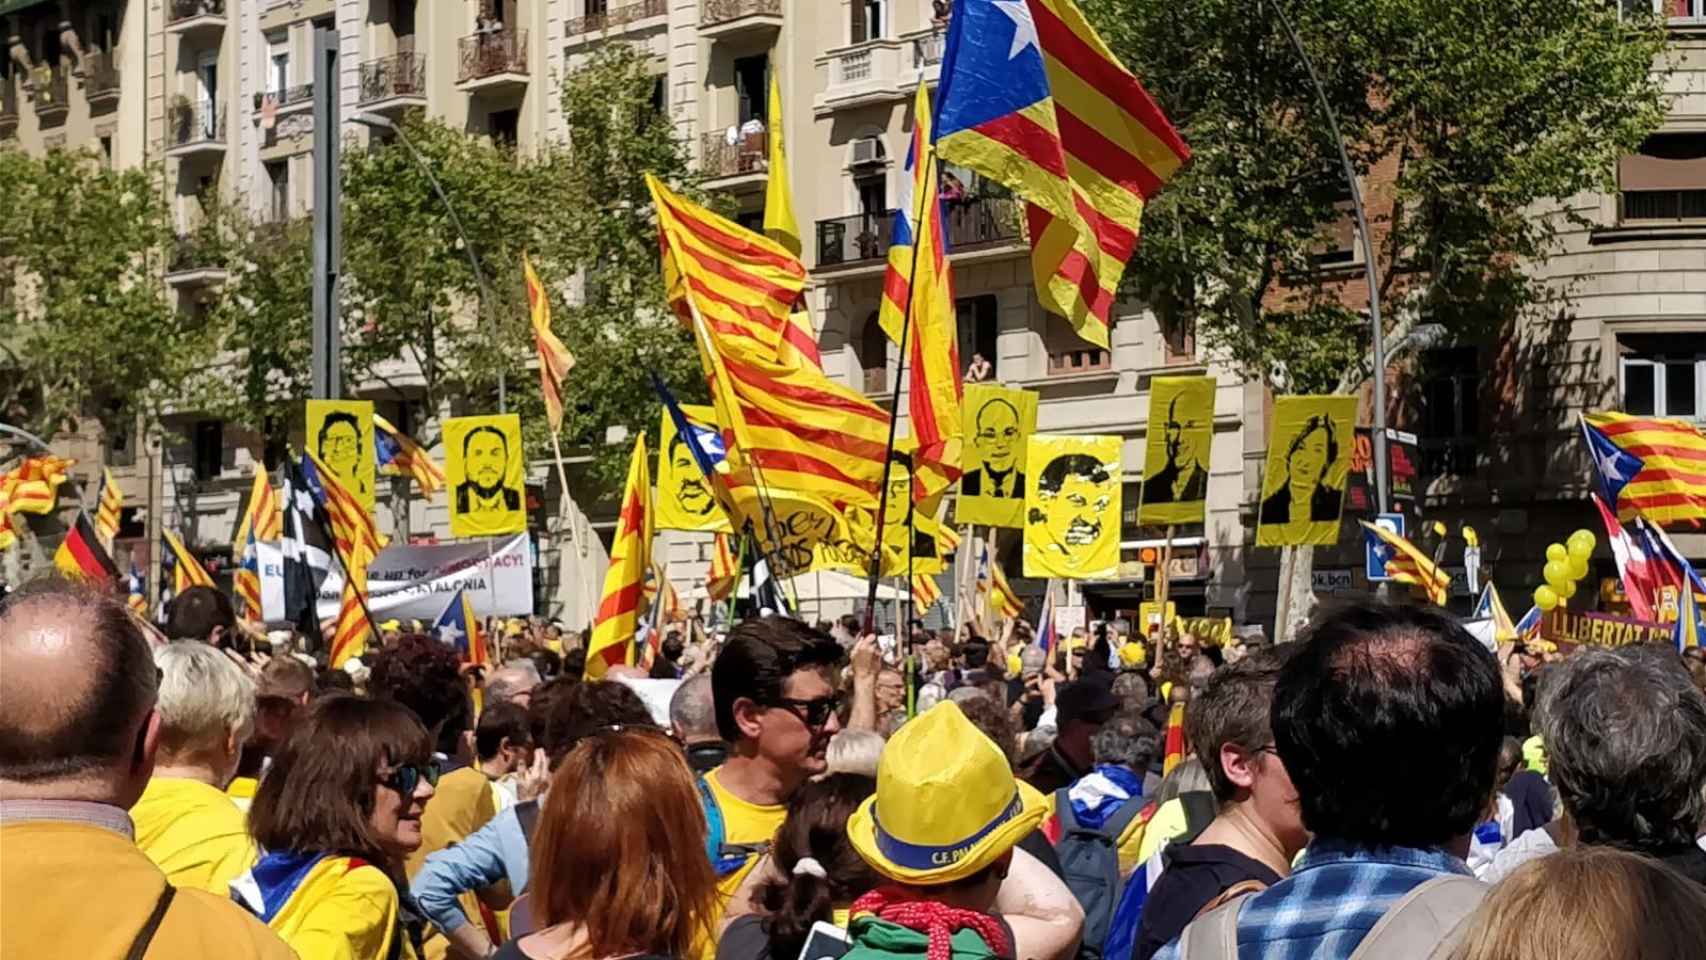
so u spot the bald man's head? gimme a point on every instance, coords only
(77, 684)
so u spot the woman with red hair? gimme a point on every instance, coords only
(614, 870)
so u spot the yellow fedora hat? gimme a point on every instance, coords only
(947, 803)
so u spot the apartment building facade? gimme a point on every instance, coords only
(219, 92)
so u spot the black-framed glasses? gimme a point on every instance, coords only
(816, 712)
(407, 777)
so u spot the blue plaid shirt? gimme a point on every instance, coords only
(1331, 901)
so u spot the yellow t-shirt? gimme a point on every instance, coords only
(344, 909)
(241, 790)
(461, 804)
(742, 823)
(1169, 822)
(194, 833)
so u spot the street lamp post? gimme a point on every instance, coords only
(376, 122)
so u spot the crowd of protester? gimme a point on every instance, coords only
(1385, 786)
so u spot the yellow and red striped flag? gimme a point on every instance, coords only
(262, 520)
(1410, 565)
(725, 569)
(357, 541)
(109, 511)
(919, 279)
(555, 360)
(187, 571)
(925, 593)
(399, 455)
(1657, 469)
(625, 582)
(736, 289)
(1174, 743)
(1006, 602)
(1031, 97)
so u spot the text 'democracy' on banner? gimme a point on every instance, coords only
(417, 580)
(1176, 452)
(1310, 448)
(340, 433)
(998, 421)
(684, 499)
(484, 463)
(1072, 508)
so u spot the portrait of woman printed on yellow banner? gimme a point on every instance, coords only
(998, 420)
(1072, 508)
(1176, 452)
(684, 498)
(486, 475)
(340, 432)
(1309, 458)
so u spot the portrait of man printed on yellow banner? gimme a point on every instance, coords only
(340, 432)
(1309, 457)
(997, 422)
(486, 475)
(1072, 508)
(1176, 452)
(684, 499)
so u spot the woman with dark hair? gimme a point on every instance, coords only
(815, 874)
(337, 813)
(616, 865)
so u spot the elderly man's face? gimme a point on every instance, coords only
(998, 436)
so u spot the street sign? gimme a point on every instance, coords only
(1376, 551)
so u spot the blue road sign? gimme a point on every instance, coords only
(1377, 552)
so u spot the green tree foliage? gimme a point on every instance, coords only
(604, 233)
(1480, 112)
(85, 326)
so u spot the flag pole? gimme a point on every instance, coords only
(894, 403)
(575, 530)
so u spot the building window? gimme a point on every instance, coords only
(873, 195)
(750, 76)
(504, 126)
(1665, 181)
(278, 178)
(975, 318)
(866, 21)
(278, 78)
(1451, 411)
(209, 449)
(1068, 353)
(1663, 375)
(751, 219)
(107, 152)
(873, 354)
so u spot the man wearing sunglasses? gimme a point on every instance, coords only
(777, 705)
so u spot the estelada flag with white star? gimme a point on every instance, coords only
(458, 628)
(1648, 466)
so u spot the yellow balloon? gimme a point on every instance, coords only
(1578, 567)
(1581, 544)
(1557, 553)
(1568, 590)
(1545, 598)
(1556, 573)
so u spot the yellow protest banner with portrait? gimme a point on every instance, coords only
(998, 420)
(1176, 452)
(484, 462)
(1072, 507)
(684, 497)
(340, 432)
(1309, 458)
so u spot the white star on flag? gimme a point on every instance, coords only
(1608, 466)
(451, 634)
(1024, 28)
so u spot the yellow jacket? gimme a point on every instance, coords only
(326, 907)
(79, 890)
(461, 803)
(194, 832)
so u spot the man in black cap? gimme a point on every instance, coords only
(1081, 708)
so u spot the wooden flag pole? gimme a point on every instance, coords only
(588, 602)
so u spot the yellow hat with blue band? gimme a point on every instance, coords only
(947, 804)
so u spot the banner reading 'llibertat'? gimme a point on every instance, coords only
(483, 459)
(998, 420)
(1176, 453)
(684, 500)
(1072, 507)
(340, 432)
(1309, 457)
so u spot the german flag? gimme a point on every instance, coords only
(81, 555)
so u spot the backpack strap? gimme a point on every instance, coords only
(1429, 917)
(151, 926)
(1240, 889)
(726, 858)
(1064, 812)
(1213, 935)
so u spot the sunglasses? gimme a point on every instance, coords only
(815, 713)
(407, 777)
